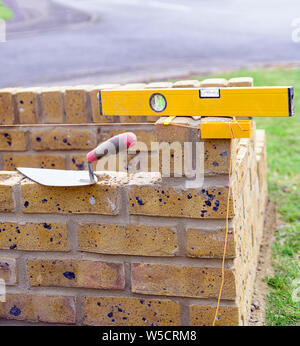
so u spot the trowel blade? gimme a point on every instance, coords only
(58, 177)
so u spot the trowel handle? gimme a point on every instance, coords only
(113, 145)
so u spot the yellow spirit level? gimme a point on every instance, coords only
(217, 102)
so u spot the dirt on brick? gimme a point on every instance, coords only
(264, 267)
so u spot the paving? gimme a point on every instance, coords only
(33, 17)
(98, 41)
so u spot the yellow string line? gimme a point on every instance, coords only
(226, 234)
(238, 124)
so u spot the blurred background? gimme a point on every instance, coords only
(51, 42)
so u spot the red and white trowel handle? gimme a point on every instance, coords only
(113, 145)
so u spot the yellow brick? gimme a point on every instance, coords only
(121, 311)
(256, 215)
(11, 161)
(182, 281)
(253, 173)
(79, 162)
(247, 239)
(75, 106)
(235, 186)
(247, 191)
(190, 83)
(34, 236)
(239, 268)
(156, 200)
(76, 273)
(210, 243)
(213, 82)
(247, 298)
(26, 101)
(159, 85)
(52, 106)
(122, 162)
(150, 119)
(7, 181)
(133, 119)
(203, 315)
(174, 163)
(180, 133)
(216, 158)
(38, 308)
(6, 198)
(261, 170)
(217, 154)
(238, 230)
(12, 140)
(240, 82)
(125, 162)
(240, 168)
(128, 239)
(95, 199)
(8, 270)
(63, 139)
(6, 107)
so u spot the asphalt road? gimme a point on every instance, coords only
(136, 40)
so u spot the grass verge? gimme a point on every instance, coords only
(5, 12)
(283, 150)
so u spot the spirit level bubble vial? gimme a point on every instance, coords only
(158, 102)
(217, 102)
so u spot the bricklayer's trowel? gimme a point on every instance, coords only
(58, 177)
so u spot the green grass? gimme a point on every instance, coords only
(283, 151)
(5, 12)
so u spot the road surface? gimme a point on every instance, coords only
(137, 40)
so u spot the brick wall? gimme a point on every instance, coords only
(133, 249)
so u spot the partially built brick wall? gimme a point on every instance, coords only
(132, 249)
